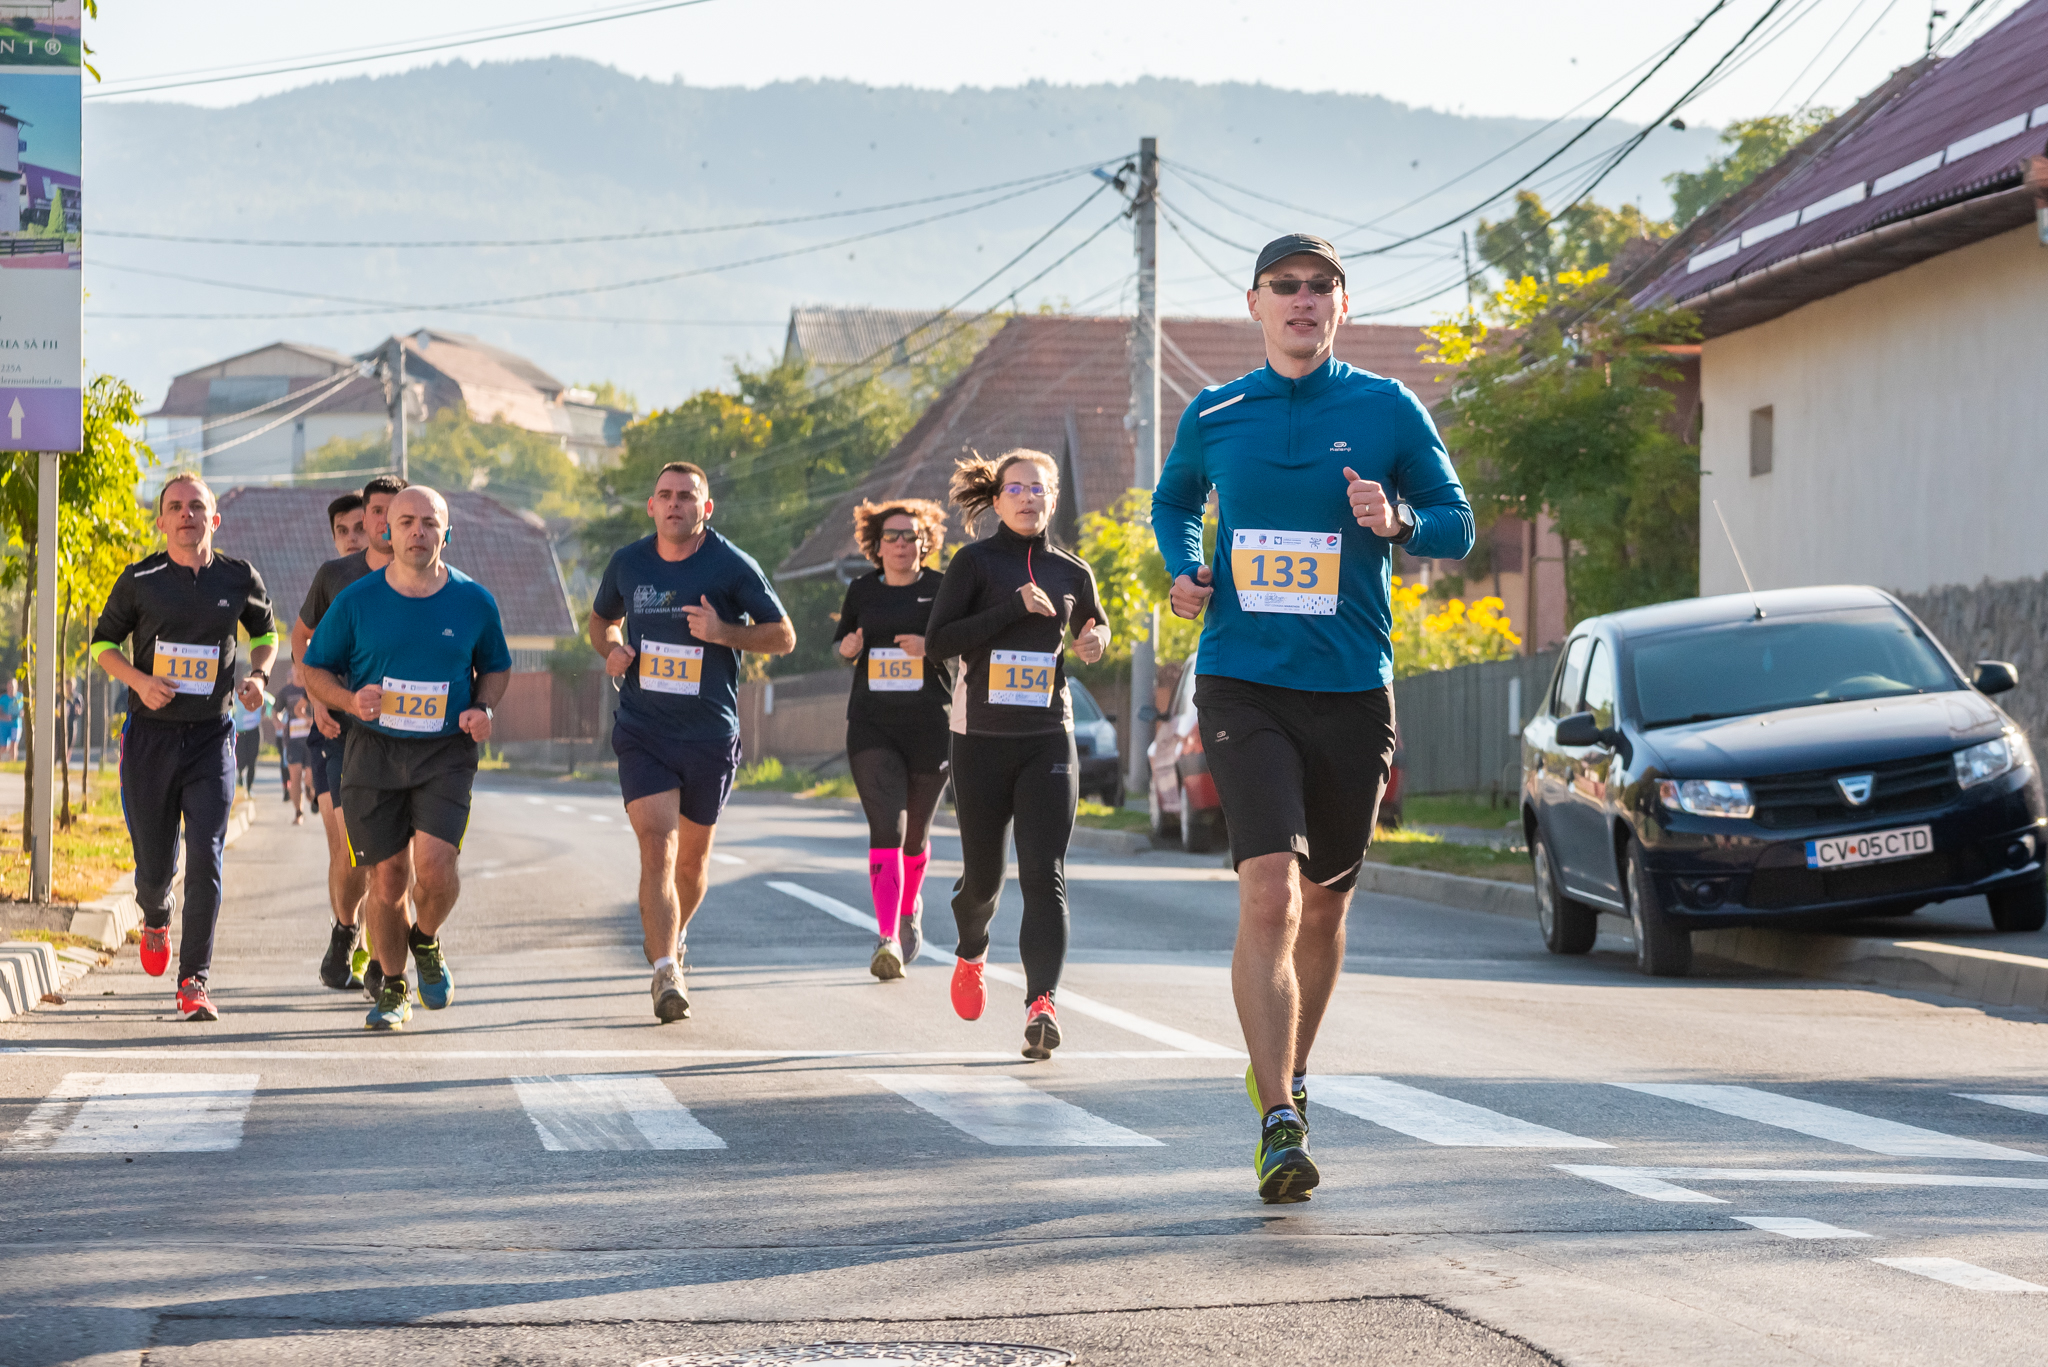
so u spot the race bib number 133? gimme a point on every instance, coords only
(1286, 571)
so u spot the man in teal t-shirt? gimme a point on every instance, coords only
(417, 653)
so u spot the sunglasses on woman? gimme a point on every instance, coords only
(1319, 285)
(900, 534)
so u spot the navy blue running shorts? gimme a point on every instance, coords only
(701, 770)
(323, 764)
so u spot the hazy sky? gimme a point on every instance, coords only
(1474, 56)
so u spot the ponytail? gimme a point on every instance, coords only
(977, 480)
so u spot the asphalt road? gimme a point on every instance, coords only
(1526, 1159)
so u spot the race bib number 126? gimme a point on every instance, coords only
(413, 706)
(1286, 571)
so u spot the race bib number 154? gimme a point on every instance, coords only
(1286, 571)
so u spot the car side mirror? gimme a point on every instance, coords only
(1109, 717)
(1148, 714)
(1577, 730)
(1995, 676)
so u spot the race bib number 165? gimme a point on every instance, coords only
(1286, 571)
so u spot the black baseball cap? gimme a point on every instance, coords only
(1296, 244)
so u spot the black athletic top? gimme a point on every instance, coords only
(331, 578)
(193, 616)
(882, 612)
(1013, 677)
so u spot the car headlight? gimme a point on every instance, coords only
(1982, 763)
(1707, 797)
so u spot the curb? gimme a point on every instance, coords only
(1991, 977)
(29, 969)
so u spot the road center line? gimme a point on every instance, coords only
(1004, 1111)
(201, 1053)
(1072, 1002)
(138, 1113)
(1437, 1119)
(1853, 1128)
(1613, 1177)
(1969, 1276)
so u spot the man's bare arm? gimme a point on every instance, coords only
(490, 688)
(763, 638)
(327, 688)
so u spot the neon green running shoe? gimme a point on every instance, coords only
(357, 962)
(437, 984)
(393, 1008)
(1286, 1173)
(1299, 1097)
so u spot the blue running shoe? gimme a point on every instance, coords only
(1286, 1172)
(437, 984)
(393, 1009)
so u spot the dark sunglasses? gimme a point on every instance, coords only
(900, 534)
(1319, 285)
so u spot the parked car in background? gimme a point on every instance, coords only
(1102, 771)
(1797, 756)
(1183, 800)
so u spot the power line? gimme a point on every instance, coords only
(1043, 180)
(317, 61)
(1881, 15)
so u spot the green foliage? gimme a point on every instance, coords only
(1583, 237)
(1573, 417)
(609, 395)
(1130, 577)
(522, 469)
(1755, 146)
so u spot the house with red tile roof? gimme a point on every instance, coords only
(1875, 311)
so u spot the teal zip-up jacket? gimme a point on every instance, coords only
(1275, 451)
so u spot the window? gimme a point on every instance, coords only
(1571, 676)
(1600, 685)
(1760, 440)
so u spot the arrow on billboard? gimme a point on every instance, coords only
(14, 421)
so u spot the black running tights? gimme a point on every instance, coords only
(1033, 780)
(898, 803)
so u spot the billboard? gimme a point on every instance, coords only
(41, 226)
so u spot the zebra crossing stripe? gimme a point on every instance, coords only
(1003, 1111)
(2011, 1101)
(1792, 1227)
(1629, 1178)
(138, 1113)
(1968, 1276)
(1436, 1119)
(1641, 1182)
(1867, 1132)
(586, 1111)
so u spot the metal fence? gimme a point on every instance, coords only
(1461, 729)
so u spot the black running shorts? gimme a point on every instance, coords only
(1297, 771)
(323, 763)
(392, 789)
(699, 772)
(923, 741)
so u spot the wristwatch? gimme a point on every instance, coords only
(1404, 515)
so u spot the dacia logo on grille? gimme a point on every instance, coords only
(1855, 788)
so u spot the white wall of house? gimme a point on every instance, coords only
(281, 450)
(1908, 444)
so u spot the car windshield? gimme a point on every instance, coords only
(1085, 709)
(1748, 667)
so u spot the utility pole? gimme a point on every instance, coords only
(45, 707)
(1145, 435)
(394, 368)
(1465, 246)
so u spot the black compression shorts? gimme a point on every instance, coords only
(924, 742)
(392, 789)
(1297, 771)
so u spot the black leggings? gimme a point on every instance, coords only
(899, 804)
(1034, 780)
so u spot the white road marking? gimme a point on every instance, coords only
(562, 808)
(609, 1111)
(1836, 1177)
(1072, 1002)
(1002, 1110)
(728, 859)
(538, 801)
(2037, 1104)
(1853, 1128)
(1436, 1119)
(600, 818)
(879, 1055)
(1792, 1227)
(1969, 1276)
(1638, 1182)
(138, 1113)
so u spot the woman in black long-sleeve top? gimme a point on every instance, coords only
(1005, 608)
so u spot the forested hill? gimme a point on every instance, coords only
(573, 148)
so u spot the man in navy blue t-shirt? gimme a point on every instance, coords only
(416, 653)
(672, 615)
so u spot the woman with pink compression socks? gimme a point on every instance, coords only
(897, 742)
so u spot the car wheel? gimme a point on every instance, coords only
(2022, 906)
(1663, 947)
(1198, 830)
(1568, 927)
(1165, 825)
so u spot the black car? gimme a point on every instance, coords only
(1102, 773)
(1796, 756)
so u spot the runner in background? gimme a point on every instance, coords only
(248, 723)
(897, 744)
(671, 617)
(10, 720)
(358, 524)
(182, 607)
(1005, 607)
(416, 651)
(298, 726)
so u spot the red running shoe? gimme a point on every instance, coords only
(1041, 1029)
(970, 993)
(155, 950)
(193, 1003)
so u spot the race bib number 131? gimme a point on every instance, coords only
(1286, 571)
(666, 668)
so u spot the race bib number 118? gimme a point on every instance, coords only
(1286, 571)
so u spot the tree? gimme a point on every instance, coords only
(1131, 580)
(1452, 634)
(1572, 415)
(1585, 236)
(1755, 146)
(610, 395)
